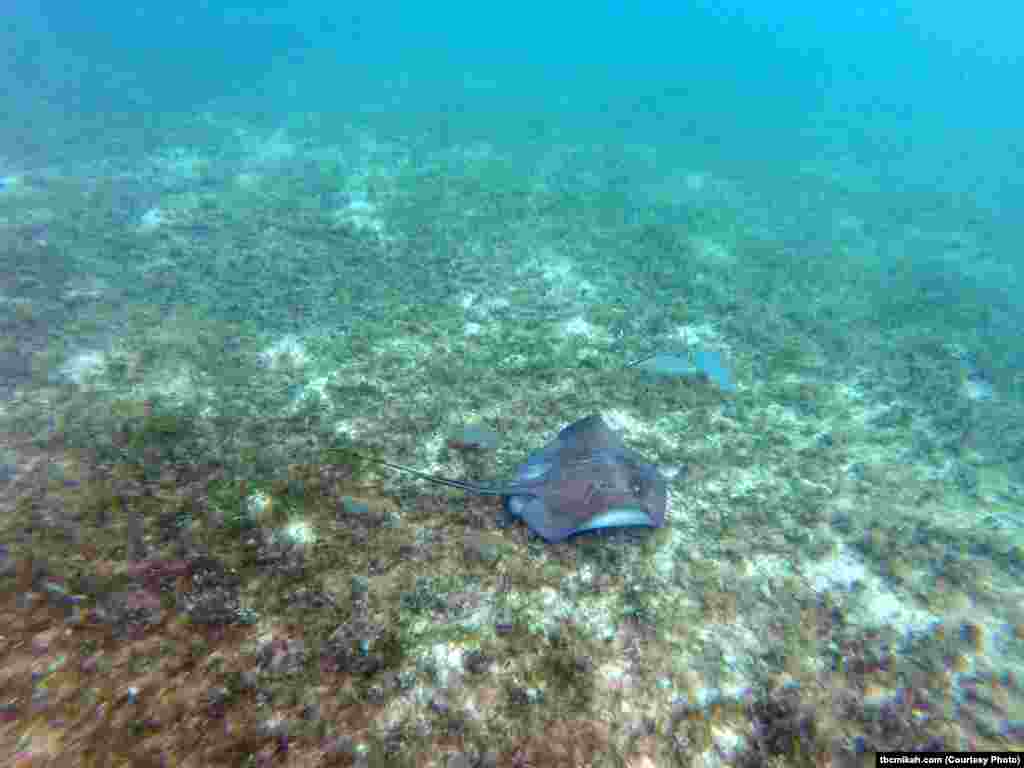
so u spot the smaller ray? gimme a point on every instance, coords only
(704, 365)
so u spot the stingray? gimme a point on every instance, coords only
(585, 479)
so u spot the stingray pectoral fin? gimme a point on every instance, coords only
(619, 517)
(534, 512)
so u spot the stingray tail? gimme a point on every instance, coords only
(484, 490)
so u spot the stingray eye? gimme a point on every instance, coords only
(636, 487)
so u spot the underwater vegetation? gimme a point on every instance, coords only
(203, 561)
(299, 611)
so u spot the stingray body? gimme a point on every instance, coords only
(586, 479)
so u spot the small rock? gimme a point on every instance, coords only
(439, 704)
(215, 605)
(92, 663)
(216, 699)
(311, 599)
(59, 594)
(133, 608)
(248, 680)
(341, 746)
(266, 757)
(354, 507)
(7, 564)
(281, 656)
(39, 701)
(311, 709)
(504, 625)
(275, 728)
(477, 662)
(360, 647)
(519, 696)
(405, 680)
(481, 548)
(360, 588)
(41, 643)
(583, 664)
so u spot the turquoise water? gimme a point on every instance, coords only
(241, 246)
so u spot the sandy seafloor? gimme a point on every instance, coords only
(192, 577)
